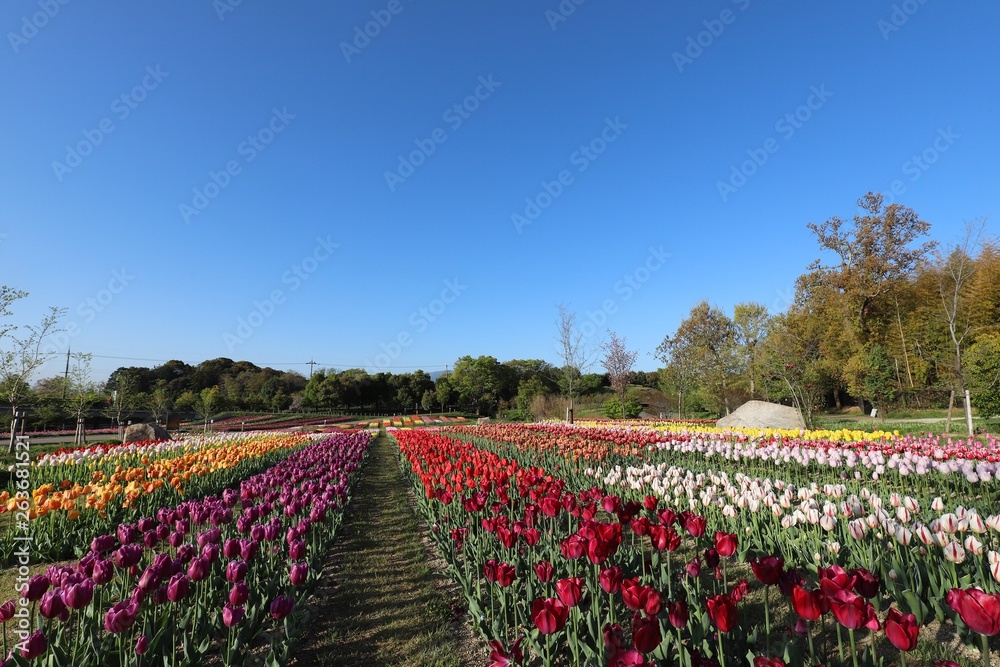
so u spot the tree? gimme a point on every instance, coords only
(615, 408)
(573, 351)
(954, 271)
(427, 400)
(618, 362)
(445, 392)
(705, 342)
(872, 375)
(82, 393)
(983, 363)
(208, 401)
(122, 400)
(159, 402)
(478, 382)
(24, 357)
(792, 362)
(750, 323)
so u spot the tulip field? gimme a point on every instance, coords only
(686, 544)
(180, 552)
(607, 543)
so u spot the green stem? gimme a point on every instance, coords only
(854, 650)
(985, 649)
(722, 653)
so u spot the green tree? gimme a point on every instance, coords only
(479, 382)
(982, 361)
(209, 401)
(614, 409)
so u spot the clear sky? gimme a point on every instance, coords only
(266, 181)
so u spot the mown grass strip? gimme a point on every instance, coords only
(382, 605)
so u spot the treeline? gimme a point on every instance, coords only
(893, 318)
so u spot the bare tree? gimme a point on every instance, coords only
(24, 357)
(954, 269)
(83, 393)
(573, 350)
(618, 362)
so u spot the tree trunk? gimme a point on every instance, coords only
(968, 413)
(836, 398)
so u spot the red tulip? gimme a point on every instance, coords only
(722, 612)
(549, 615)
(570, 591)
(695, 525)
(767, 570)
(725, 544)
(711, 558)
(573, 547)
(788, 580)
(490, 570)
(978, 610)
(645, 633)
(506, 574)
(835, 578)
(611, 579)
(761, 661)
(866, 584)
(650, 503)
(740, 590)
(677, 612)
(810, 605)
(853, 611)
(543, 570)
(501, 658)
(902, 630)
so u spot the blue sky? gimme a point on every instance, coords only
(265, 181)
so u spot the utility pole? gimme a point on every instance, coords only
(66, 375)
(311, 364)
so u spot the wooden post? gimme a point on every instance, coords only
(951, 406)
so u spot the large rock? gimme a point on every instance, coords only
(143, 432)
(761, 414)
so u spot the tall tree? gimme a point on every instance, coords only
(750, 324)
(82, 395)
(576, 355)
(618, 362)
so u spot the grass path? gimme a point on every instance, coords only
(383, 604)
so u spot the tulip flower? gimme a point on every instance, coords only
(645, 633)
(36, 587)
(762, 661)
(852, 611)
(544, 571)
(7, 610)
(282, 606)
(977, 609)
(232, 615)
(121, 617)
(610, 579)
(506, 574)
(677, 613)
(298, 574)
(722, 612)
(767, 570)
(501, 658)
(725, 544)
(902, 630)
(549, 615)
(34, 646)
(178, 588)
(141, 645)
(810, 605)
(569, 591)
(239, 594)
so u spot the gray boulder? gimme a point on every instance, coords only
(143, 432)
(761, 414)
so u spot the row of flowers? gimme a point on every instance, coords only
(557, 572)
(206, 577)
(68, 502)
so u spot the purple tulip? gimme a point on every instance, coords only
(7, 610)
(52, 604)
(257, 533)
(178, 588)
(299, 573)
(146, 524)
(232, 615)
(239, 594)
(185, 553)
(36, 587)
(127, 534)
(297, 550)
(78, 596)
(34, 646)
(236, 571)
(282, 606)
(231, 549)
(128, 555)
(141, 645)
(150, 579)
(160, 595)
(103, 543)
(248, 549)
(198, 569)
(121, 617)
(104, 572)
